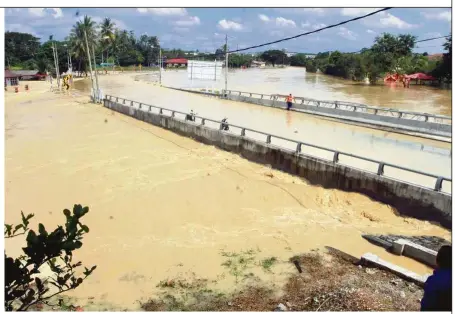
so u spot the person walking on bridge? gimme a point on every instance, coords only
(289, 100)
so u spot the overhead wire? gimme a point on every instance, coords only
(302, 34)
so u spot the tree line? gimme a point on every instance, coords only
(388, 54)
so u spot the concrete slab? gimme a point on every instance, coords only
(415, 251)
(369, 259)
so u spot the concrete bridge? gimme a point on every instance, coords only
(410, 198)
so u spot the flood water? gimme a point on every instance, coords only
(323, 87)
(425, 155)
(164, 206)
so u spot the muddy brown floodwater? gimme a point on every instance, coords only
(324, 87)
(162, 205)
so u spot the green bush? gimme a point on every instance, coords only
(24, 286)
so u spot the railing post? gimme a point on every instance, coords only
(131, 104)
(203, 121)
(375, 111)
(242, 133)
(140, 105)
(336, 157)
(299, 148)
(262, 96)
(318, 104)
(116, 100)
(251, 95)
(150, 108)
(426, 118)
(438, 185)
(269, 139)
(124, 101)
(240, 93)
(302, 101)
(173, 114)
(161, 110)
(355, 108)
(381, 169)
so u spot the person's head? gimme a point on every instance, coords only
(290, 95)
(444, 257)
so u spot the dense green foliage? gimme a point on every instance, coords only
(110, 44)
(388, 54)
(275, 57)
(25, 284)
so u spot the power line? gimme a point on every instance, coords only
(312, 32)
(417, 41)
(303, 34)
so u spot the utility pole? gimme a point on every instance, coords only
(161, 64)
(56, 65)
(89, 60)
(96, 76)
(226, 66)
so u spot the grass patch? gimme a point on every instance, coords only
(238, 263)
(268, 263)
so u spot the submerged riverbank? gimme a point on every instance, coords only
(156, 198)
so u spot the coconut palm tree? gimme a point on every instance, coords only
(107, 33)
(77, 40)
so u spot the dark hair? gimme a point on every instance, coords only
(444, 257)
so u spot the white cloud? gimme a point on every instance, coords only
(264, 18)
(387, 20)
(42, 12)
(391, 21)
(164, 11)
(189, 21)
(57, 13)
(282, 22)
(318, 11)
(37, 11)
(317, 26)
(230, 25)
(369, 31)
(357, 11)
(346, 33)
(443, 16)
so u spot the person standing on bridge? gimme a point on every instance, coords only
(289, 100)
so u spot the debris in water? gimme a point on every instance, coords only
(105, 120)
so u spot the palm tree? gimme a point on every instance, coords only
(77, 39)
(107, 34)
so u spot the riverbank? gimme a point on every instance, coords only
(156, 197)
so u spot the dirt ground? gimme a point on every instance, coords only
(328, 282)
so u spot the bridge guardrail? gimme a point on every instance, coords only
(342, 105)
(336, 153)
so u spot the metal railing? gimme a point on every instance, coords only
(336, 153)
(342, 105)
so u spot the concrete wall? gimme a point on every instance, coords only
(410, 200)
(405, 124)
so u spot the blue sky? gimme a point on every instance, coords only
(204, 29)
